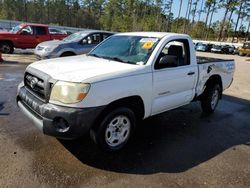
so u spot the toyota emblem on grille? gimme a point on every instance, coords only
(33, 82)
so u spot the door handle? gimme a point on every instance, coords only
(190, 73)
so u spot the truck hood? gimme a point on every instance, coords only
(6, 34)
(86, 69)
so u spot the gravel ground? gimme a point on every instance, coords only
(180, 148)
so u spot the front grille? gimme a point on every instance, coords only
(36, 85)
(30, 101)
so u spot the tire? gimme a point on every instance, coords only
(6, 48)
(211, 98)
(67, 54)
(115, 129)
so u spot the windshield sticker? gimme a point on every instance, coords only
(148, 42)
(148, 45)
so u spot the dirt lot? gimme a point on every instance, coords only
(181, 148)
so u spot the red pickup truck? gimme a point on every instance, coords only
(26, 36)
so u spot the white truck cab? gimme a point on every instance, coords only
(126, 78)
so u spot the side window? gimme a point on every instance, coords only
(104, 36)
(173, 54)
(94, 39)
(27, 31)
(40, 31)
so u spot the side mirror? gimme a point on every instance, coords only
(168, 61)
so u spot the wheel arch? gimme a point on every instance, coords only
(8, 41)
(214, 79)
(135, 103)
(67, 52)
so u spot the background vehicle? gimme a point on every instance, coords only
(127, 78)
(245, 49)
(26, 36)
(228, 49)
(236, 51)
(2, 29)
(224, 49)
(56, 31)
(204, 47)
(78, 43)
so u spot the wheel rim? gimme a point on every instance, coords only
(117, 131)
(215, 99)
(5, 48)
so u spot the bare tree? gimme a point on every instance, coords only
(187, 15)
(238, 18)
(211, 18)
(178, 17)
(179, 13)
(194, 9)
(201, 10)
(227, 4)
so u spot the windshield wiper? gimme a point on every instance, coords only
(112, 58)
(118, 59)
(94, 55)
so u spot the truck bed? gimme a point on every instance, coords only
(203, 60)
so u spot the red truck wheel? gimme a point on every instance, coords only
(6, 47)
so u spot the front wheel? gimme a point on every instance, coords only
(6, 47)
(115, 129)
(211, 98)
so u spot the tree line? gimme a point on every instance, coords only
(137, 15)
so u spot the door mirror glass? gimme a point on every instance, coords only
(168, 61)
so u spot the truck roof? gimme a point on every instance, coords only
(31, 24)
(151, 34)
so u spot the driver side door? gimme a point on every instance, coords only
(173, 86)
(26, 38)
(89, 42)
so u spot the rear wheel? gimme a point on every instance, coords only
(115, 129)
(6, 47)
(211, 98)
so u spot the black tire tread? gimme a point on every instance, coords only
(97, 133)
(207, 97)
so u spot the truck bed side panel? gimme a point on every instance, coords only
(225, 69)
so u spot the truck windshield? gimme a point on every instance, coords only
(16, 29)
(75, 37)
(126, 49)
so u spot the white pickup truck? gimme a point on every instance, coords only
(126, 78)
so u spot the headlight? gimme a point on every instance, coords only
(50, 49)
(69, 92)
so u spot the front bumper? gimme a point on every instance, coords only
(54, 120)
(40, 54)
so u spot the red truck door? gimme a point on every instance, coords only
(31, 36)
(41, 34)
(25, 38)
